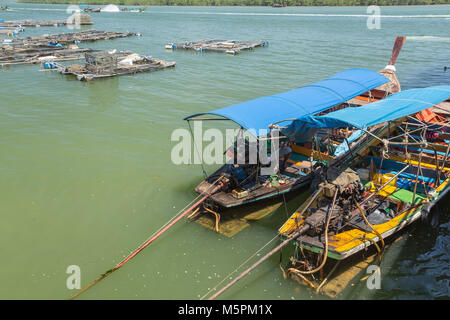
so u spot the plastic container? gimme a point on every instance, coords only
(404, 184)
(382, 179)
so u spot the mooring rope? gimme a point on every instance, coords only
(155, 235)
(239, 267)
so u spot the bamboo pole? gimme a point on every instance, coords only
(267, 256)
(443, 164)
(143, 246)
(417, 176)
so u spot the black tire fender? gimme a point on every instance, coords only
(429, 216)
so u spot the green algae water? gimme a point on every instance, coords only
(85, 168)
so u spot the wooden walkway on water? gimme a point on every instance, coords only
(81, 19)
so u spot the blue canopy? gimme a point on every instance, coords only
(258, 114)
(396, 106)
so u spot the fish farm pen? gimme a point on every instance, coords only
(10, 31)
(217, 45)
(33, 50)
(41, 55)
(106, 64)
(74, 37)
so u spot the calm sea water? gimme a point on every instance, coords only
(85, 168)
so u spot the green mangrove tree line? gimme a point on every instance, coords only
(247, 2)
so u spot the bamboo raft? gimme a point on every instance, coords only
(10, 31)
(82, 19)
(45, 55)
(217, 45)
(33, 50)
(106, 64)
(66, 38)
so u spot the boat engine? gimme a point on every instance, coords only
(350, 190)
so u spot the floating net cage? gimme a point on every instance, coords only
(101, 62)
(218, 45)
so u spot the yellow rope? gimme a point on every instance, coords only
(217, 217)
(193, 213)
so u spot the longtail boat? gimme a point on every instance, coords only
(250, 185)
(442, 109)
(374, 192)
(354, 87)
(363, 199)
(330, 145)
(92, 10)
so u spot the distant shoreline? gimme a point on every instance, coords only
(244, 3)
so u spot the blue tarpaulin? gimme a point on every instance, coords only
(343, 147)
(396, 106)
(258, 114)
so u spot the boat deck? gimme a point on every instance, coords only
(293, 176)
(344, 244)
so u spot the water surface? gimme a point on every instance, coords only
(85, 168)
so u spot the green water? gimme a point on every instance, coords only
(85, 168)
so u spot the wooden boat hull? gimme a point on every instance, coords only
(348, 243)
(409, 202)
(226, 200)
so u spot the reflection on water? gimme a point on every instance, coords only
(425, 272)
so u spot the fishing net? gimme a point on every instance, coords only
(101, 62)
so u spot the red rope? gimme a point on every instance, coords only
(142, 247)
(134, 253)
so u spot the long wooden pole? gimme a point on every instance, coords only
(142, 247)
(443, 165)
(267, 256)
(133, 254)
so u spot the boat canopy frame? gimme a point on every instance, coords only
(256, 115)
(392, 108)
